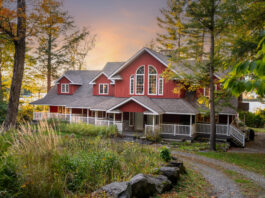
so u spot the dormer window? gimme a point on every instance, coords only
(132, 84)
(140, 81)
(104, 89)
(64, 88)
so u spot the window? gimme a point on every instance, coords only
(132, 84)
(140, 81)
(160, 86)
(152, 85)
(206, 92)
(64, 88)
(103, 88)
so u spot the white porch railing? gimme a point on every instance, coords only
(237, 134)
(176, 129)
(221, 129)
(77, 119)
(151, 128)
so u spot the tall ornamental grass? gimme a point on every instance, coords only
(39, 162)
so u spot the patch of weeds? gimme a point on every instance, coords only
(191, 184)
(248, 187)
(197, 146)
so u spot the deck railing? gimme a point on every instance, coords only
(176, 129)
(237, 134)
(77, 119)
(221, 129)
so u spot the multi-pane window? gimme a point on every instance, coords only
(132, 84)
(160, 86)
(152, 77)
(103, 88)
(64, 88)
(140, 80)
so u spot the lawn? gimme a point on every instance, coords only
(40, 162)
(250, 161)
(260, 130)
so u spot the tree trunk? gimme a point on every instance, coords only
(19, 60)
(211, 72)
(202, 47)
(49, 66)
(179, 38)
(1, 88)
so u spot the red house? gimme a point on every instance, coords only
(135, 97)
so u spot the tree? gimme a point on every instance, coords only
(53, 21)
(13, 24)
(76, 47)
(172, 22)
(249, 75)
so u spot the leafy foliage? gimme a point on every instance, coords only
(256, 120)
(165, 154)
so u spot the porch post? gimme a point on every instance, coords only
(153, 123)
(87, 115)
(122, 117)
(33, 112)
(114, 118)
(227, 125)
(190, 125)
(96, 117)
(65, 113)
(70, 117)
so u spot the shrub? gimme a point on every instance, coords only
(255, 120)
(3, 111)
(153, 136)
(165, 154)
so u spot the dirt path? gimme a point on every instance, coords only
(222, 186)
(259, 179)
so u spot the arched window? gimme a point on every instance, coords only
(152, 80)
(132, 84)
(140, 80)
(160, 86)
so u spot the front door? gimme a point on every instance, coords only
(139, 121)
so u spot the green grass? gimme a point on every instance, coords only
(248, 187)
(260, 130)
(197, 146)
(47, 164)
(190, 185)
(251, 161)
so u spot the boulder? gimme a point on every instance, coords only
(115, 190)
(172, 173)
(178, 164)
(161, 183)
(142, 187)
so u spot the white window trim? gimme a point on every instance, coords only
(65, 85)
(135, 86)
(149, 79)
(132, 93)
(103, 88)
(161, 78)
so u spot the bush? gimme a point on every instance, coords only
(153, 136)
(41, 163)
(255, 120)
(3, 111)
(165, 154)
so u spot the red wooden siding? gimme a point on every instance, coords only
(132, 107)
(103, 79)
(122, 86)
(72, 88)
(53, 109)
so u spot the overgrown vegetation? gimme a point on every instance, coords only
(251, 161)
(165, 154)
(39, 162)
(256, 120)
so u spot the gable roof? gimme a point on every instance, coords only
(108, 69)
(160, 57)
(74, 76)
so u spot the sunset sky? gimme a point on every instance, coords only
(122, 26)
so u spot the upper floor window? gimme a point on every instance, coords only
(160, 86)
(64, 88)
(132, 84)
(140, 81)
(152, 80)
(206, 91)
(103, 89)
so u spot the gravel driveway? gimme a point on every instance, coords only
(259, 179)
(223, 187)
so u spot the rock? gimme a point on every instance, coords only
(115, 190)
(172, 173)
(161, 183)
(141, 187)
(179, 164)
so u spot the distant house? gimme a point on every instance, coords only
(135, 97)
